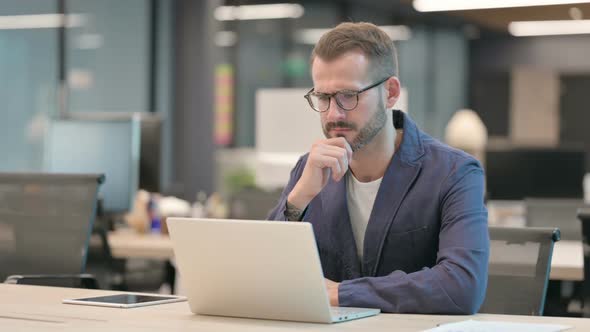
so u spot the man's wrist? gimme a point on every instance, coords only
(293, 213)
(298, 199)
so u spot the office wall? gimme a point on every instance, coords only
(274, 39)
(120, 60)
(575, 112)
(108, 58)
(489, 96)
(563, 54)
(194, 55)
(252, 73)
(434, 69)
(107, 63)
(164, 87)
(28, 86)
(534, 113)
(494, 57)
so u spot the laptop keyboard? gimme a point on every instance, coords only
(342, 311)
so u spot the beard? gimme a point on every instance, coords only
(367, 132)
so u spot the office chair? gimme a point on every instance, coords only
(584, 216)
(45, 223)
(555, 212)
(562, 295)
(140, 275)
(518, 272)
(83, 280)
(253, 203)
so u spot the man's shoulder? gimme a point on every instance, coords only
(445, 167)
(441, 154)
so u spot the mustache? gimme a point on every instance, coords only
(340, 124)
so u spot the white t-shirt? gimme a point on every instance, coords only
(360, 197)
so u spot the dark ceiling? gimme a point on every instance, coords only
(498, 19)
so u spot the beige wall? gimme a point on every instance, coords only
(534, 107)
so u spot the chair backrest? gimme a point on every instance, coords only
(253, 203)
(45, 222)
(584, 216)
(87, 281)
(555, 212)
(518, 273)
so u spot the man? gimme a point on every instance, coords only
(399, 217)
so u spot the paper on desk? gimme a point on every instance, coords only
(493, 326)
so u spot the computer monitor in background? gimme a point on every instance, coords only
(109, 146)
(151, 153)
(514, 174)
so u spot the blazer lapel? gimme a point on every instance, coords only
(401, 173)
(335, 215)
(394, 187)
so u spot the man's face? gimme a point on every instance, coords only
(349, 72)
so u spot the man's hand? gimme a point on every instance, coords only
(332, 292)
(328, 157)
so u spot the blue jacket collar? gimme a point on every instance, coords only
(411, 148)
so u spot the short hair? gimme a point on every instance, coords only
(373, 42)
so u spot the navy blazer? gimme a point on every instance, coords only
(426, 245)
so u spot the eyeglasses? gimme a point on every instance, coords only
(347, 100)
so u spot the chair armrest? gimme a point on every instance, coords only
(56, 280)
(556, 236)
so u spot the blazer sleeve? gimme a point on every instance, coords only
(457, 283)
(278, 212)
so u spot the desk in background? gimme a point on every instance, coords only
(136, 261)
(567, 262)
(126, 243)
(35, 308)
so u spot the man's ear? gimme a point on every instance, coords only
(393, 87)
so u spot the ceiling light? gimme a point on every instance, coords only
(450, 5)
(312, 36)
(547, 28)
(41, 21)
(258, 12)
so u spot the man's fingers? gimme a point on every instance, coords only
(340, 142)
(326, 161)
(339, 154)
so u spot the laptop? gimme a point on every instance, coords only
(254, 269)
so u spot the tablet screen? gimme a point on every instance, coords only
(127, 298)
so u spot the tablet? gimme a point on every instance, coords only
(126, 300)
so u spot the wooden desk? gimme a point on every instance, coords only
(35, 308)
(567, 262)
(127, 243)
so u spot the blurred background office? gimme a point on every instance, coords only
(202, 69)
(201, 102)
